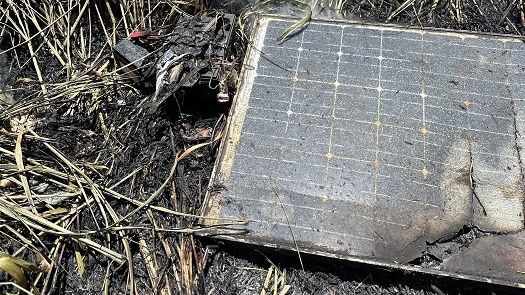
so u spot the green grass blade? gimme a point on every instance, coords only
(300, 23)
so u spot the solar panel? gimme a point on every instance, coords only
(372, 142)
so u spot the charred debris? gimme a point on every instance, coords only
(91, 197)
(114, 123)
(196, 53)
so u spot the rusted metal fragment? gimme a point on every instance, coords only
(498, 256)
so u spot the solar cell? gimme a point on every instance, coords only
(372, 141)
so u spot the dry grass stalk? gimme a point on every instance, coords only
(43, 223)
(275, 281)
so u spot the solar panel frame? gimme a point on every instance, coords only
(229, 146)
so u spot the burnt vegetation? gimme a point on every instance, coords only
(100, 193)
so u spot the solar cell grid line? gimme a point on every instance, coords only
(375, 139)
(378, 128)
(329, 154)
(423, 129)
(289, 111)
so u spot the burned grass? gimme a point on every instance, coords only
(505, 16)
(98, 194)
